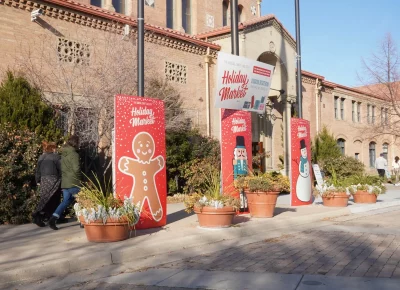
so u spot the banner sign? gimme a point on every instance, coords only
(140, 171)
(318, 175)
(242, 84)
(300, 163)
(236, 155)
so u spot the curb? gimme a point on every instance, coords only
(142, 256)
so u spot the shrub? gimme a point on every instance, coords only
(343, 166)
(19, 151)
(324, 147)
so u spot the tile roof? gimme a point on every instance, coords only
(103, 13)
(243, 25)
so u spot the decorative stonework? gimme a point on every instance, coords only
(100, 23)
(307, 80)
(175, 72)
(210, 21)
(70, 51)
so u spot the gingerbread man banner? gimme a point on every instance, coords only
(140, 157)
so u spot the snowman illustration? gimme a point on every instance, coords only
(303, 186)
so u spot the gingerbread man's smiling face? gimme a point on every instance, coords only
(143, 146)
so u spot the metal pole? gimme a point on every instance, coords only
(298, 50)
(234, 27)
(140, 48)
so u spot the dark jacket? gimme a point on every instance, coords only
(48, 164)
(71, 171)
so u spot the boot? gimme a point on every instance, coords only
(37, 220)
(52, 223)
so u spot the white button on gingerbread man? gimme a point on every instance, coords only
(143, 170)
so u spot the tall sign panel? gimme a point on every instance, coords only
(140, 170)
(301, 193)
(236, 157)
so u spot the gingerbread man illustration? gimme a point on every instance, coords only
(143, 169)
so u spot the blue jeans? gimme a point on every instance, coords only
(68, 198)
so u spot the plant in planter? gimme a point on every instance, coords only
(105, 218)
(213, 209)
(262, 191)
(332, 195)
(365, 188)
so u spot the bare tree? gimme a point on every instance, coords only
(381, 78)
(81, 75)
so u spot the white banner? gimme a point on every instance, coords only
(242, 84)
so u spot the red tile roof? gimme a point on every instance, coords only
(243, 25)
(103, 13)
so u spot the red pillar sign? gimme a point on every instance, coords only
(236, 157)
(140, 157)
(301, 193)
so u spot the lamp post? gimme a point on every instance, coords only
(234, 27)
(298, 57)
(140, 48)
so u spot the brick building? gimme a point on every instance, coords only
(182, 39)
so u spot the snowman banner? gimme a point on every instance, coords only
(301, 163)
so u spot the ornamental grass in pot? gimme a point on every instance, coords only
(214, 208)
(262, 192)
(105, 217)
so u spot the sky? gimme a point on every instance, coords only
(337, 34)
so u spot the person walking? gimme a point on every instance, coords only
(396, 169)
(381, 165)
(70, 177)
(48, 178)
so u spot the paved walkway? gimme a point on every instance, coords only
(29, 253)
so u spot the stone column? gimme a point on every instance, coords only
(108, 5)
(259, 8)
(288, 101)
(178, 15)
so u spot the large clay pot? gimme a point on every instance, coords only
(111, 231)
(336, 199)
(262, 204)
(364, 197)
(211, 217)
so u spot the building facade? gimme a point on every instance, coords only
(182, 40)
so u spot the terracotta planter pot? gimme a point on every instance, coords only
(364, 197)
(262, 204)
(211, 217)
(337, 199)
(111, 231)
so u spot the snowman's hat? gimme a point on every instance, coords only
(302, 143)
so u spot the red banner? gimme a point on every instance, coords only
(301, 193)
(140, 157)
(236, 157)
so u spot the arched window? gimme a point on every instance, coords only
(170, 14)
(240, 13)
(96, 3)
(186, 16)
(372, 154)
(225, 13)
(385, 150)
(120, 6)
(341, 144)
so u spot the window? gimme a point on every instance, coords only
(186, 16)
(119, 5)
(224, 13)
(342, 108)
(353, 111)
(336, 100)
(357, 156)
(369, 114)
(385, 150)
(341, 142)
(373, 114)
(372, 154)
(359, 112)
(170, 14)
(240, 13)
(96, 3)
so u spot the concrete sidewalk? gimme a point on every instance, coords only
(31, 253)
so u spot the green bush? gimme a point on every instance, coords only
(343, 166)
(185, 149)
(324, 147)
(19, 151)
